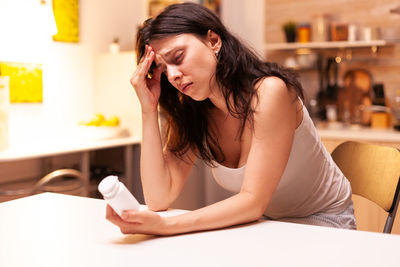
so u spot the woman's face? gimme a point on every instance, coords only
(188, 62)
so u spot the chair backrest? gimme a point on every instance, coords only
(373, 172)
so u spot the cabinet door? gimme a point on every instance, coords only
(369, 216)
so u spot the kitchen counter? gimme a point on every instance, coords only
(60, 146)
(358, 133)
(53, 145)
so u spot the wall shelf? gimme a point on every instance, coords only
(325, 45)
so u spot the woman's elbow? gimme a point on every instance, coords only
(258, 212)
(157, 206)
(257, 207)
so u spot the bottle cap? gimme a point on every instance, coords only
(107, 186)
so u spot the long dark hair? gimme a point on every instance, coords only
(237, 72)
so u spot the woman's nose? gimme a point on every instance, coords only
(173, 73)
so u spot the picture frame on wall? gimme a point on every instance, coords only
(156, 6)
(214, 5)
(66, 14)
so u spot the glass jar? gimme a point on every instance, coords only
(320, 27)
(304, 33)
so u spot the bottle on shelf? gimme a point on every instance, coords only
(114, 46)
(304, 33)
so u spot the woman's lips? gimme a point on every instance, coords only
(186, 87)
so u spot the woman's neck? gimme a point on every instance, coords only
(218, 100)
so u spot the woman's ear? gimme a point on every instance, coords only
(214, 41)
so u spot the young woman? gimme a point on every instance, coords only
(242, 116)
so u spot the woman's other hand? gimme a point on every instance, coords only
(147, 88)
(137, 222)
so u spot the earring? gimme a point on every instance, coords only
(216, 53)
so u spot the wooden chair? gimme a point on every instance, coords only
(373, 172)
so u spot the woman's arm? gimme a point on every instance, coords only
(274, 126)
(163, 175)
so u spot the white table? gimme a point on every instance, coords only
(59, 230)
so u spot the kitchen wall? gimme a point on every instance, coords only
(246, 19)
(384, 67)
(68, 85)
(67, 67)
(68, 71)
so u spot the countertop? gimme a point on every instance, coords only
(71, 142)
(57, 145)
(358, 133)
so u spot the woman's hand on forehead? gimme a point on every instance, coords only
(154, 72)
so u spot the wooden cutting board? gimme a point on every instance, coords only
(355, 95)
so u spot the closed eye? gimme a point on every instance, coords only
(179, 57)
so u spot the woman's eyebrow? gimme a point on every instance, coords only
(168, 53)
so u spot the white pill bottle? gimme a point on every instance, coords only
(117, 195)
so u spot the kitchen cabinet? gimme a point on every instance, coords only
(369, 216)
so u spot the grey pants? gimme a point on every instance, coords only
(344, 219)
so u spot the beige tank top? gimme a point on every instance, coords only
(310, 184)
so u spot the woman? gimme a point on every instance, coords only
(243, 117)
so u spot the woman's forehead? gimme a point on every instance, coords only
(165, 46)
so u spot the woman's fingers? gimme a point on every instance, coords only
(136, 222)
(147, 63)
(140, 75)
(112, 216)
(144, 54)
(131, 216)
(147, 58)
(147, 88)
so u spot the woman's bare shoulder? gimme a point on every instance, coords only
(270, 81)
(272, 91)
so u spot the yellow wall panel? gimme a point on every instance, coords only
(26, 82)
